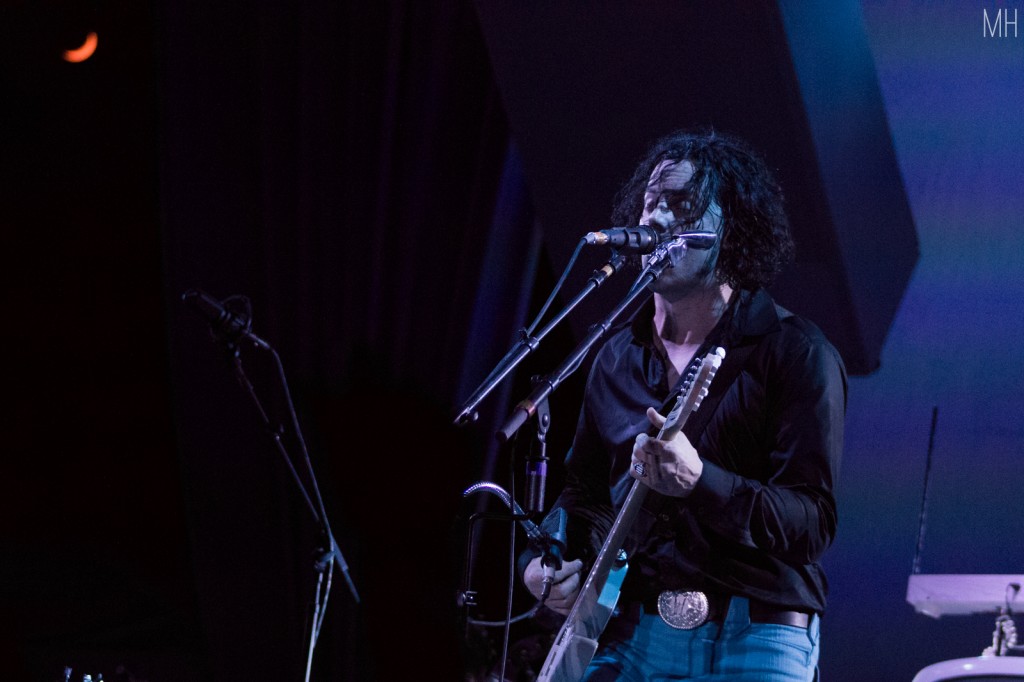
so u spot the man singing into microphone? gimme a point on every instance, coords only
(739, 512)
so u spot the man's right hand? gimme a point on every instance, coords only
(565, 584)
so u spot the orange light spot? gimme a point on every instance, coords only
(84, 52)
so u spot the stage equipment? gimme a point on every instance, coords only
(231, 328)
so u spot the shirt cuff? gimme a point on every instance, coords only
(714, 487)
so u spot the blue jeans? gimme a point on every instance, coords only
(644, 648)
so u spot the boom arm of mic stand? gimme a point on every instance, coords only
(546, 386)
(527, 345)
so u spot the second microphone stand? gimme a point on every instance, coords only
(528, 344)
(329, 555)
(231, 328)
(657, 264)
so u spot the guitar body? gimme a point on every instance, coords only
(576, 642)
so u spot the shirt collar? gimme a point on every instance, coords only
(750, 315)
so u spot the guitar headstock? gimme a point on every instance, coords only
(695, 388)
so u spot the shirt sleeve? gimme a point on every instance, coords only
(790, 510)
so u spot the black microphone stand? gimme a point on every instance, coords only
(529, 406)
(528, 344)
(328, 554)
(550, 545)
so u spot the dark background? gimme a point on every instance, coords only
(382, 183)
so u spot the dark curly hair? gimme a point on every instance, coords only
(756, 243)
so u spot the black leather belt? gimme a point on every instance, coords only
(760, 612)
(765, 613)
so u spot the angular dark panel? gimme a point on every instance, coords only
(587, 86)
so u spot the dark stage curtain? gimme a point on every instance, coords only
(339, 164)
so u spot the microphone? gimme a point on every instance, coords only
(536, 479)
(222, 321)
(697, 240)
(551, 546)
(643, 239)
(552, 557)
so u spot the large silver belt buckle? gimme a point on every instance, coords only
(683, 610)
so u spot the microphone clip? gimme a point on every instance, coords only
(537, 462)
(552, 548)
(230, 320)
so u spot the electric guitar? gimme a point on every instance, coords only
(576, 641)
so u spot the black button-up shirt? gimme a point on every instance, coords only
(763, 511)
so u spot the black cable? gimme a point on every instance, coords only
(916, 568)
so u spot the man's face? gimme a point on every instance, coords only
(667, 205)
